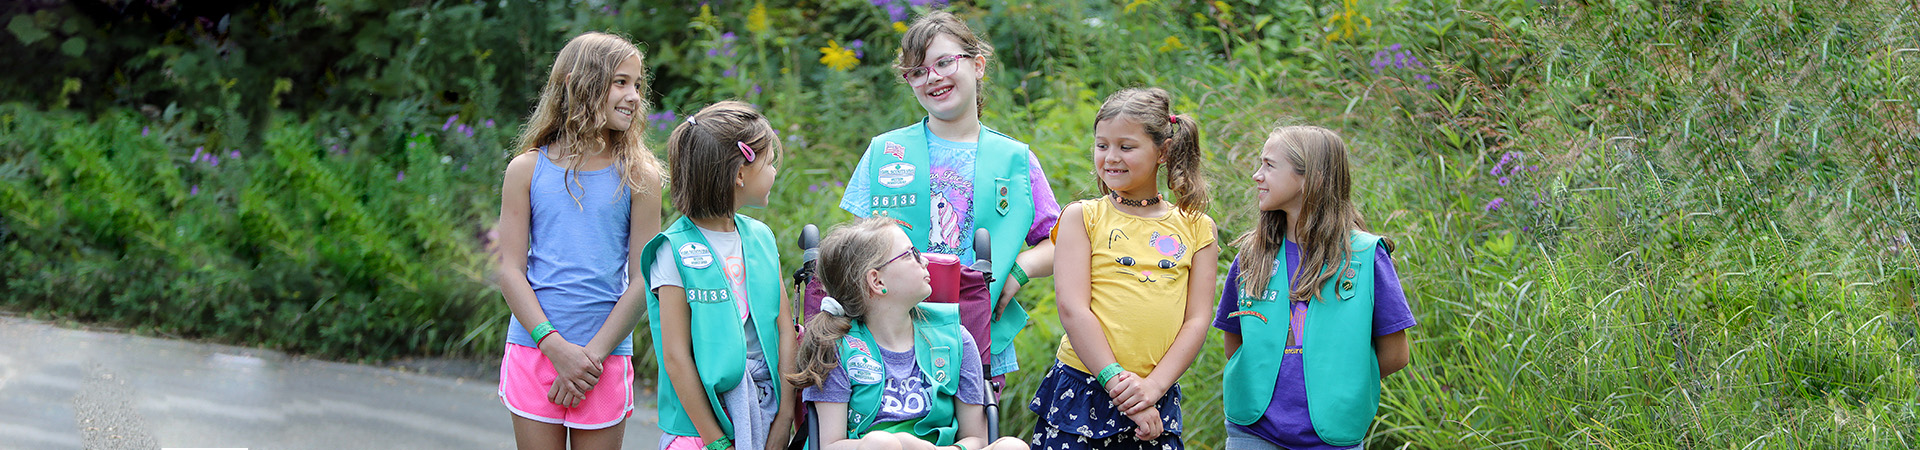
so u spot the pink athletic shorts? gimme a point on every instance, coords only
(526, 375)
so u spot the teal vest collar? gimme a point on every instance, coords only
(1342, 370)
(719, 341)
(899, 168)
(937, 348)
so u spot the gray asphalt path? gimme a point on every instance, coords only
(69, 389)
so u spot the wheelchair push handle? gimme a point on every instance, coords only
(982, 252)
(809, 253)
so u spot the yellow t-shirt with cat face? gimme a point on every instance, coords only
(1139, 277)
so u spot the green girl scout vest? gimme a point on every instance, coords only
(1002, 202)
(936, 347)
(1341, 369)
(719, 342)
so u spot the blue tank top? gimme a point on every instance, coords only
(576, 250)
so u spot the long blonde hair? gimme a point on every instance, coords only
(1319, 156)
(846, 254)
(570, 110)
(1177, 136)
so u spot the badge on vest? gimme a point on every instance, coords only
(862, 369)
(706, 295)
(895, 149)
(896, 175)
(695, 255)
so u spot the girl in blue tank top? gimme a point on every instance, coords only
(583, 193)
(719, 315)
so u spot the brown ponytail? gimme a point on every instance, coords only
(846, 254)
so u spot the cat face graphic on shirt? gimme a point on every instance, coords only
(1152, 259)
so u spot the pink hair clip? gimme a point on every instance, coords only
(745, 150)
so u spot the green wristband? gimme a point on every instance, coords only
(1108, 373)
(540, 331)
(719, 444)
(1018, 274)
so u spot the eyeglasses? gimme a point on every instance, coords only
(943, 66)
(911, 250)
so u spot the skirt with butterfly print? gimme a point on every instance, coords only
(1075, 414)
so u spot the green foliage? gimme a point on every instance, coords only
(291, 246)
(1620, 224)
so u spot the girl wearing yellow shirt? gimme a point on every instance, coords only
(1126, 264)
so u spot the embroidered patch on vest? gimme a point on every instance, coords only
(895, 175)
(895, 149)
(893, 201)
(695, 255)
(1255, 314)
(862, 369)
(706, 295)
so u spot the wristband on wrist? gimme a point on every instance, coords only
(1109, 372)
(541, 331)
(1018, 274)
(960, 446)
(719, 444)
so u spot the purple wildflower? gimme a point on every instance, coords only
(143, 131)
(1503, 181)
(466, 129)
(463, 167)
(1431, 86)
(896, 12)
(729, 72)
(197, 151)
(1495, 204)
(449, 124)
(401, 177)
(489, 123)
(756, 89)
(338, 150)
(234, 154)
(213, 161)
(856, 45)
(194, 191)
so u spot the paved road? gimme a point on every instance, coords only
(70, 389)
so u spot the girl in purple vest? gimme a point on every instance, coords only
(1313, 287)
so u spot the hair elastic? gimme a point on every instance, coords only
(830, 306)
(1173, 118)
(690, 121)
(745, 150)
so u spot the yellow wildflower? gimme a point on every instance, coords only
(1171, 43)
(1343, 24)
(706, 16)
(1135, 4)
(899, 27)
(757, 18)
(838, 58)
